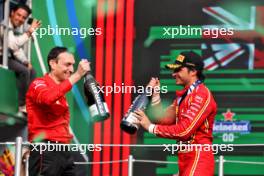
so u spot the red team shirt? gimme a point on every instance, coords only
(48, 110)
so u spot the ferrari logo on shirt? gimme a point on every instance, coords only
(39, 83)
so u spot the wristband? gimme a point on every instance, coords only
(151, 128)
(155, 99)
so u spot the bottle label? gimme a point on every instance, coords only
(98, 100)
(94, 111)
(132, 119)
(106, 108)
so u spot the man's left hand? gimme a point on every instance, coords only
(34, 26)
(143, 119)
(30, 66)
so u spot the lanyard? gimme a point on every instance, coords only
(193, 86)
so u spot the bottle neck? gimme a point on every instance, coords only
(88, 75)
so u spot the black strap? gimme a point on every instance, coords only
(183, 96)
(186, 92)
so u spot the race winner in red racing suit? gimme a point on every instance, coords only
(189, 119)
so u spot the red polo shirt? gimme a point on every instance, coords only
(48, 110)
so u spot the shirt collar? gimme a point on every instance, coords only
(49, 79)
(190, 88)
(10, 25)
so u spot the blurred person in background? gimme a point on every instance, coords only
(17, 58)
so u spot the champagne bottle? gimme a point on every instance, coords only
(97, 106)
(128, 122)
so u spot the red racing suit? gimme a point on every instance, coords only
(48, 110)
(191, 122)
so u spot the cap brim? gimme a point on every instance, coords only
(172, 66)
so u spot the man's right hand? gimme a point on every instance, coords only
(83, 68)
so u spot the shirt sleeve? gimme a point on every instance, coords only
(41, 93)
(169, 116)
(15, 43)
(191, 118)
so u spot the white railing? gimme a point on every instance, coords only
(5, 36)
(18, 155)
(131, 160)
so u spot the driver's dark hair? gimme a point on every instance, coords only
(200, 74)
(54, 52)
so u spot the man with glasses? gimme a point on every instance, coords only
(189, 119)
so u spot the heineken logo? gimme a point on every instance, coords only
(229, 125)
(232, 127)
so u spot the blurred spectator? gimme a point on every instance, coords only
(17, 59)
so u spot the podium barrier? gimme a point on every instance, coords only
(131, 160)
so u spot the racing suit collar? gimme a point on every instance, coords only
(190, 88)
(180, 93)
